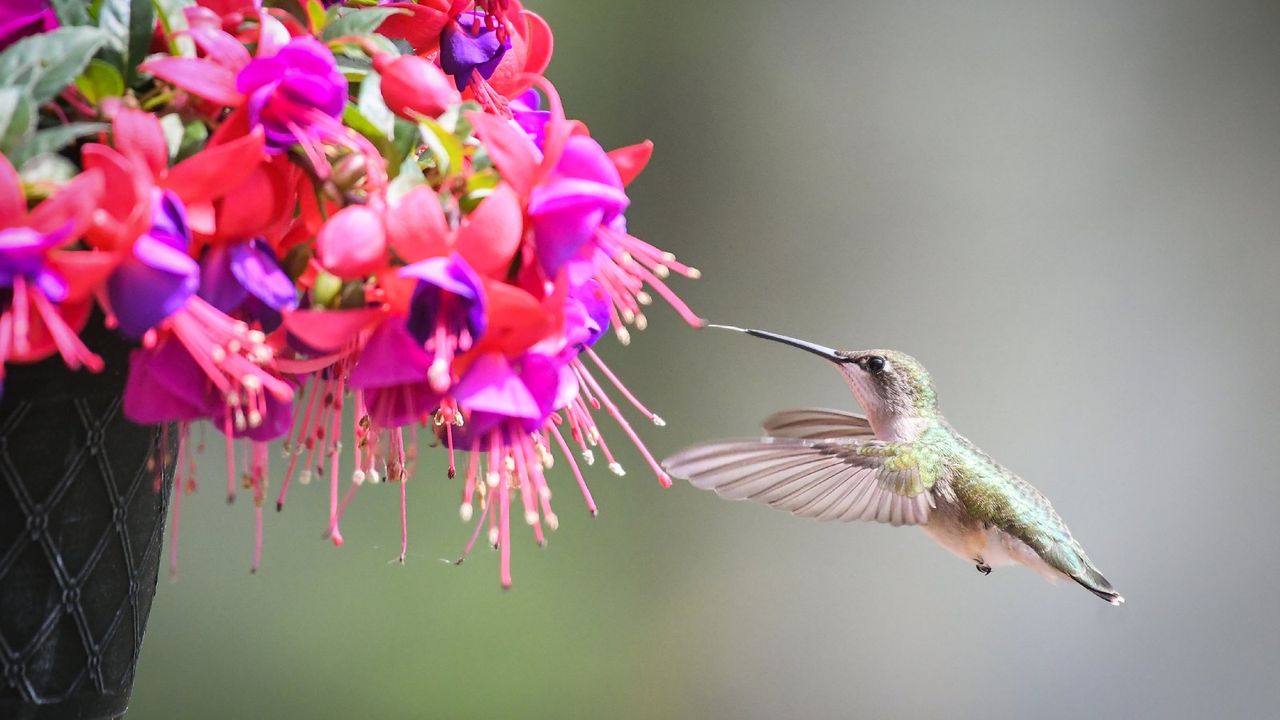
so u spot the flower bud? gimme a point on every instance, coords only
(353, 244)
(413, 86)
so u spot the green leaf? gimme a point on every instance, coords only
(357, 22)
(408, 177)
(49, 168)
(404, 144)
(17, 117)
(72, 12)
(444, 145)
(53, 139)
(100, 80)
(354, 119)
(316, 14)
(194, 137)
(174, 20)
(373, 107)
(173, 129)
(142, 27)
(48, 62)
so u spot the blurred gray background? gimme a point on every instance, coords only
(1068, 211)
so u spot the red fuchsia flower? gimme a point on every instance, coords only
(45, 292)
(20, 18)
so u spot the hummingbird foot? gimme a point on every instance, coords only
(983, 568)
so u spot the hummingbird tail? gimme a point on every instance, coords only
(1094, 582)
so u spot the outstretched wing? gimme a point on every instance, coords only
(822, 479)
(818, 424)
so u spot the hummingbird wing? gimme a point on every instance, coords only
(818, 424)
(822, 479)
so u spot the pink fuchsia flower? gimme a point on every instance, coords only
(20, 18)
(156, 278)
(446, 314)
(583, 192)
(295, 94)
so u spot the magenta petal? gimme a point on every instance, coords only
(550, 382)
(254, 266)
(276, 422)
(390, 357)
(400, 405)
(151, 285)
(217, 284)
(166, 385)
(492, 386)
(583, 158)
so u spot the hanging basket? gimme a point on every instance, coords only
(81, 526)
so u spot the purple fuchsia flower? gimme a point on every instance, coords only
(447, 312)
(20, 18)
(158, 276)
(245, 279)
(22, 255)
(294, 94)
(581, 194)
(468, 46)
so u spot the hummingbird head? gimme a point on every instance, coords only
(888, 382)
(892, 387)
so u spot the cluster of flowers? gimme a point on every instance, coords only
(302, 209)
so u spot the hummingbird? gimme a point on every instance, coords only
(901, 463)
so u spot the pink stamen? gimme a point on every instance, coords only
(334, 449)
(504, 534)
(612, 409)
(475, 534)
(577, 473)
(295, 448)
(623, 388)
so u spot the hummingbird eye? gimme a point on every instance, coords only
(874, 364)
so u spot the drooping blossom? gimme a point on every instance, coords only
(583, 192)
(447, 313)
(280, 286)
(293, 92)
(471, 48)
(45, 294)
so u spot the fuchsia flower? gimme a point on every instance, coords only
(582, 193)
(469, 47)
(280, 287)
(447, 313)
(294, 94)
(44, 294)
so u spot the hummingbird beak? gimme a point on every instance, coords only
(820, 350)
